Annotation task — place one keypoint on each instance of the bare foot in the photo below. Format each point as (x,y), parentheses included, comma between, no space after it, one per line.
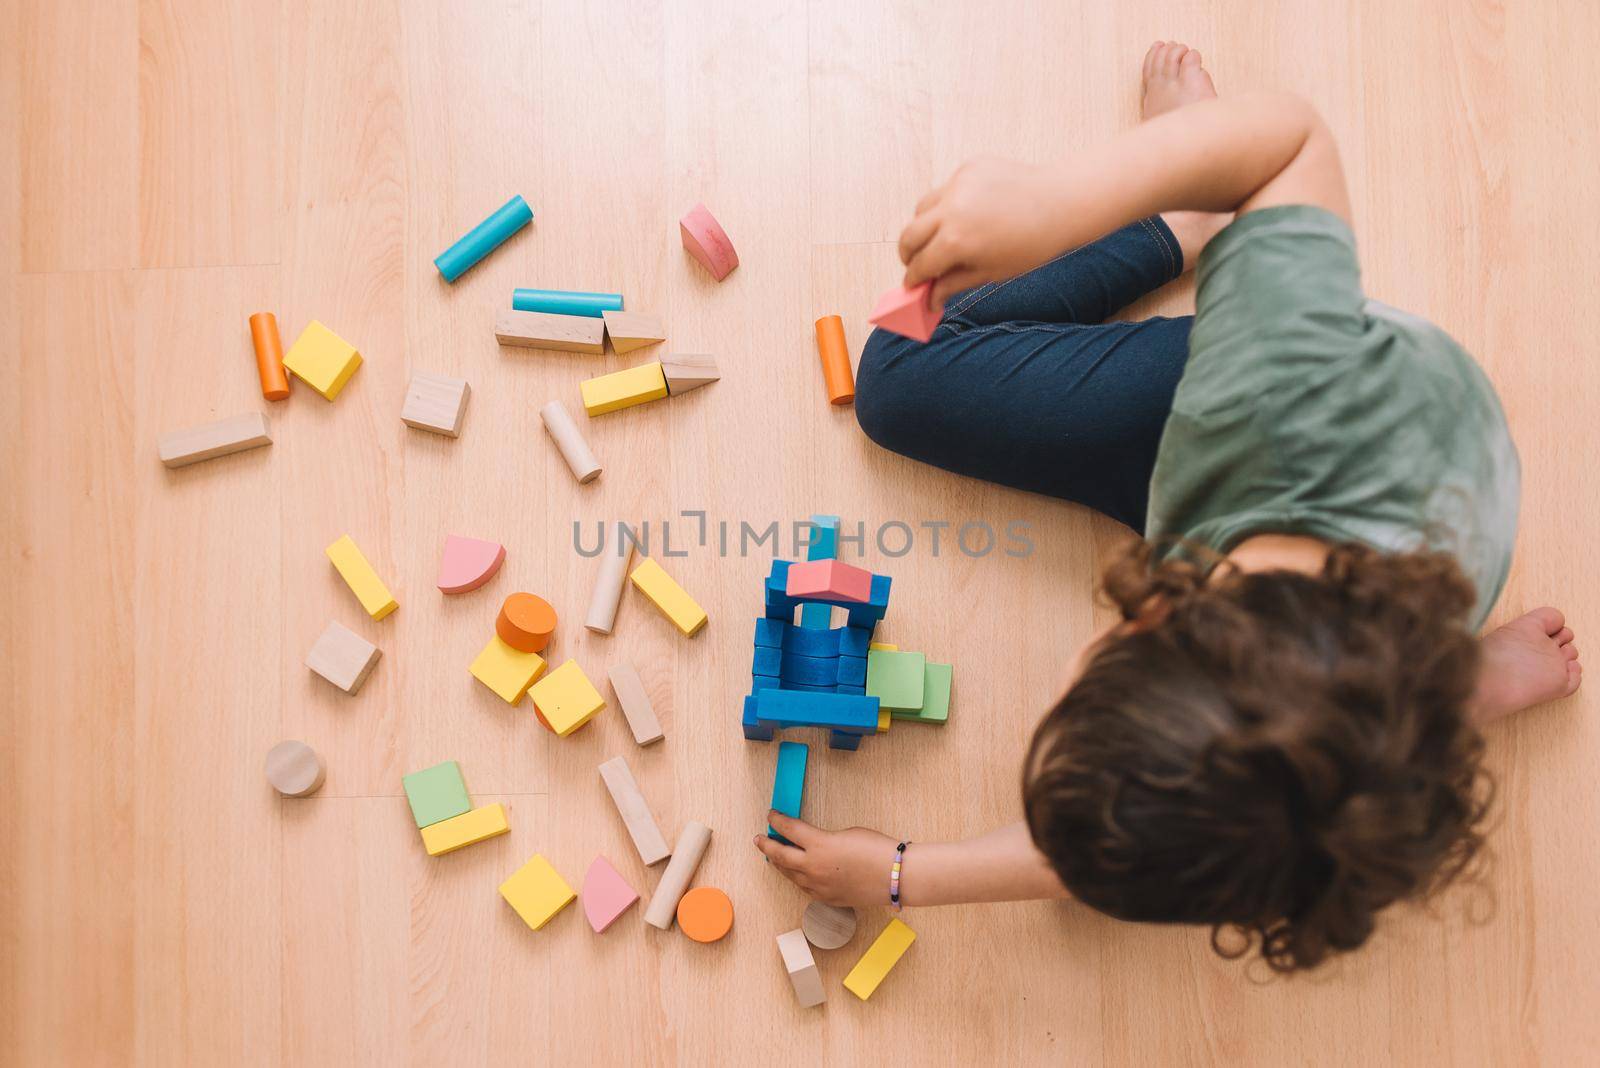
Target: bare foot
(1527,662)
(1172,77)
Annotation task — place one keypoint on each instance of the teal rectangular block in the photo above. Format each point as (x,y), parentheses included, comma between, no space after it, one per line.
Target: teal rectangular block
(789,783)
(825,545)
(566,302)
(483,239)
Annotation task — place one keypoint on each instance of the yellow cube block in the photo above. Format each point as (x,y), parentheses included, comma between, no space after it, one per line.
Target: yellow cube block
(566,698)
(322,359)
(507,671)
(537,892)
(668,596)
(362,580)
(449,835)
(624,389)
(882,955)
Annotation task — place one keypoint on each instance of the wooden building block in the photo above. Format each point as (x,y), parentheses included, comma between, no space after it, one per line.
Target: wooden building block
(885,646)
(906,312)
(525,622)
(633,330)
(484,238)
(705,914)
(705,239)
(896,678)
(830,579)
(544,330)
(623,389)
(507,671)
(606,894)
(570,442)
(436,403)
(789,783)
(269,355)
(828,926)
(802,968)
(468,563)
(322,359)
(447,836)
(566,699)
(885,718)
(343,657)
(881,956)
(436,794)
(831,711)
(566,302)
(630,802)
(608,584)
(537,892)
(361,578)
(295,769)
(663,592)
(685,372)
(642,721)
(686,856)
(935,706)
(836,375)
(180,448)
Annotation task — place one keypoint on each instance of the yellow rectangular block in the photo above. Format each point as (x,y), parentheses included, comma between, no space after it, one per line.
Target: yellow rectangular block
(322,359)
(884,719)
(465,829)
(882,955)
(507,671)
(668,596)
(362,580)
(537,892)
(623,389)
(566,698)
(885,646)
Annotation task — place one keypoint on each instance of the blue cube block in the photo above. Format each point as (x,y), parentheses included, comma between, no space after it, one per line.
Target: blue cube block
(789,783)
(768,661)
(754,731)
(765,682)
(825,538)
(852,671)
(844,740)
(770,632)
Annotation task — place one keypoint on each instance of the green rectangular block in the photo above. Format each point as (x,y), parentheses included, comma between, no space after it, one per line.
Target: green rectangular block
(935,697)
(437,793)
(896,679)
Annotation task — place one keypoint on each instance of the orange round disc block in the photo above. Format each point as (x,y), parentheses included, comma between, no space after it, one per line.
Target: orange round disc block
(705,914)
(525,622)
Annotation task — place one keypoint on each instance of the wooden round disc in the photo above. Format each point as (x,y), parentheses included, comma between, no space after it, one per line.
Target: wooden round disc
(525,622)
(828,926)
(294,769)
(705,914)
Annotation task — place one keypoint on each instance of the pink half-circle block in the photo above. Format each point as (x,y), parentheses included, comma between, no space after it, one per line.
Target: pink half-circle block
(468,563)
(906,312)
(707,241)
(606,894)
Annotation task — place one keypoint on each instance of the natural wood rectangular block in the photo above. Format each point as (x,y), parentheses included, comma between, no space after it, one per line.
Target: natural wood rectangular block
(179,448)
(545,330)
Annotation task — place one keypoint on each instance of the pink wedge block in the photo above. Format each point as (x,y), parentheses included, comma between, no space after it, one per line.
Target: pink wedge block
(468,563)
(906,312)
(707,242)
(606,894)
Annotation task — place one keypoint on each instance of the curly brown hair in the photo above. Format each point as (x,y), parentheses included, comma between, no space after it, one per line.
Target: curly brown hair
(1277,752)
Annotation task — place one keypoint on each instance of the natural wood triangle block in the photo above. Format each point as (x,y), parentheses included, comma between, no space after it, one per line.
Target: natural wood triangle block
(686,372)
(633,330)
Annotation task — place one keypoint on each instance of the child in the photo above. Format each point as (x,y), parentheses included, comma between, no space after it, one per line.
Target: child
(1281,736)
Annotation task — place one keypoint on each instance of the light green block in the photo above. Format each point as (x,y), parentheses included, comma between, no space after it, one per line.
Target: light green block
(896,678)
(437,793)
(936,696)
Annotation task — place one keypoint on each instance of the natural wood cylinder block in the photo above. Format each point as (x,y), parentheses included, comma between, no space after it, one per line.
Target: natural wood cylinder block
(570,442)
(692,843)
(295,769)
(828,926)
(614,561)
(526,622)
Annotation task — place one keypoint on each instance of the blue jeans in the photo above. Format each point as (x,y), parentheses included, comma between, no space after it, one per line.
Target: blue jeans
(1024,384)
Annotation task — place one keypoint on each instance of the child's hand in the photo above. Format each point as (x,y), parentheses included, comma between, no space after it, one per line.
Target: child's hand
(837,867)
(989,222)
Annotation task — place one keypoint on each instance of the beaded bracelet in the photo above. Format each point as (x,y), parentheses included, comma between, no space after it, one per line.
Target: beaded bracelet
(894,875)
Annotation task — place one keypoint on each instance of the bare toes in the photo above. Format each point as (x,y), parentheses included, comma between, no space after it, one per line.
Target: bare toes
(1574,677)
(1150,60)
(1174,57)
(1563,636)
(1569,651)
(1190,58)
(1549,618)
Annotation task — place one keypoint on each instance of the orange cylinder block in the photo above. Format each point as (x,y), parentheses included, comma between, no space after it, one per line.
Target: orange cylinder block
(269,355)
(525,622)
(835,360)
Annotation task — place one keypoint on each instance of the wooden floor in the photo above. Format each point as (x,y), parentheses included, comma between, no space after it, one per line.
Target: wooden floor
(173,167)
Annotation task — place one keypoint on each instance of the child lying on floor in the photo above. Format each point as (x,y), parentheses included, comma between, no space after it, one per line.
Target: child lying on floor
(1281,736)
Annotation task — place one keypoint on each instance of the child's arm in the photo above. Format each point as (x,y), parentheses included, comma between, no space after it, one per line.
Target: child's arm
(852,867)
(996,219)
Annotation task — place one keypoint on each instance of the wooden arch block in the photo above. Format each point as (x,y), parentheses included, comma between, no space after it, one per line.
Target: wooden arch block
(468,563)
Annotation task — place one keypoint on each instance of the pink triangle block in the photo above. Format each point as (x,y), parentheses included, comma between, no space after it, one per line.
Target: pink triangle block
(905,312)
(606,895)
(829,578)
(707,241)
(468,563)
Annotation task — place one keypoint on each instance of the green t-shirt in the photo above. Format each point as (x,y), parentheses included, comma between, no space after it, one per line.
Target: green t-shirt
(1307,409)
